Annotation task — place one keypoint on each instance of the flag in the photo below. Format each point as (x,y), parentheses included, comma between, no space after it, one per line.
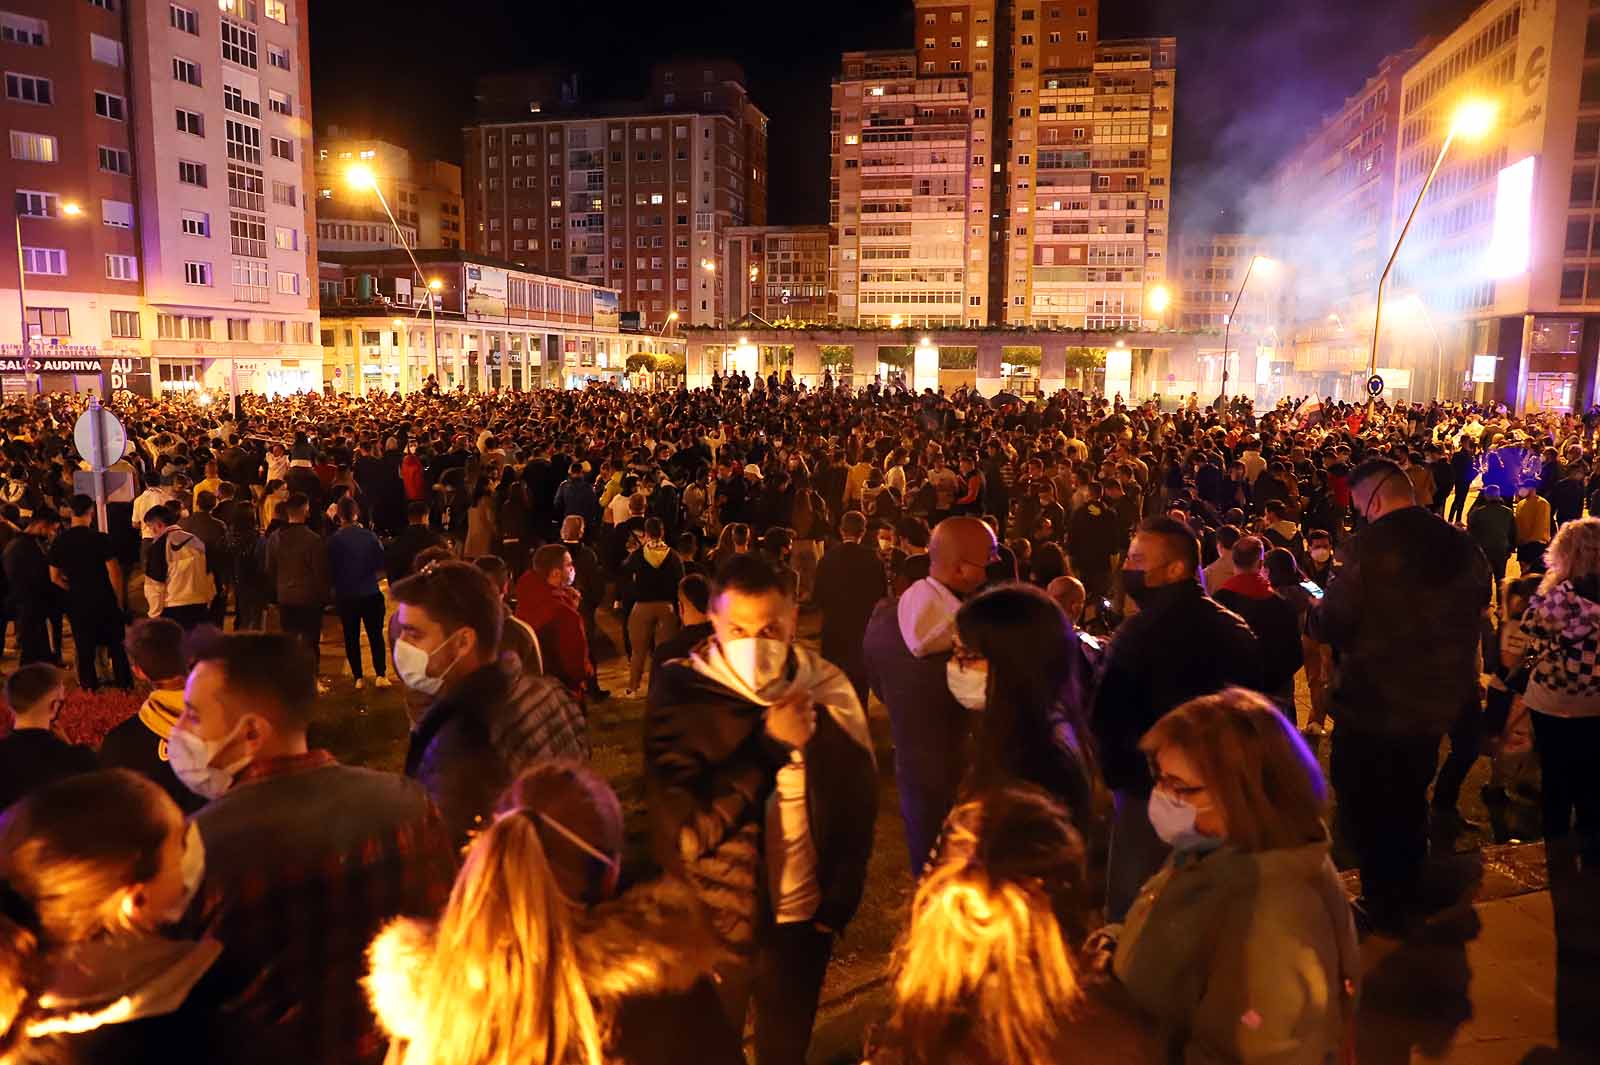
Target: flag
(1310,413)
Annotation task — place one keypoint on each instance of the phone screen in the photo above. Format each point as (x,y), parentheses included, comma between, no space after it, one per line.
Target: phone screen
(1313,588)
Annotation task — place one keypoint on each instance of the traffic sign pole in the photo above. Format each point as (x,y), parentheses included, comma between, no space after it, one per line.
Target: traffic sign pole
(97,463)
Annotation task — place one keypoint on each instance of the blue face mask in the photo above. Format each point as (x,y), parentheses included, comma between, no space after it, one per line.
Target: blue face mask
(1173,819)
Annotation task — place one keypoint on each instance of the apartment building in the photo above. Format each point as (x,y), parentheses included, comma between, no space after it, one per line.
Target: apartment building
(1208,274)
(784,272)
(179,135)
(1024,167)
(424,194)
(636,195)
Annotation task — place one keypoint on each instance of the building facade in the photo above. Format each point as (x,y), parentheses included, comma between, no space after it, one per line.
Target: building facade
(637,195)
(1208,274)
(1010,168)
(180,134)
(424,194)
(778,272)
(494,325)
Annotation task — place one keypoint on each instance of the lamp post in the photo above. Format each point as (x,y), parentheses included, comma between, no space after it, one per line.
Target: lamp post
(1473,119)
(1227,326)
(69,210)
(362,177)
(1159,299)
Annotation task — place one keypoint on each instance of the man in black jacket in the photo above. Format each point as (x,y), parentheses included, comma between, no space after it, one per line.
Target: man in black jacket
(1275,622)
(1404,618)
(415,538)
(33,594)
(489,720)
(1179,645)
(761,778)
(850,581)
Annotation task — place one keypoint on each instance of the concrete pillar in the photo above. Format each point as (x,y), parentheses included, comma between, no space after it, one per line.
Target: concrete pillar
(807,362)
(1052,368)
(990,350)
(698,365)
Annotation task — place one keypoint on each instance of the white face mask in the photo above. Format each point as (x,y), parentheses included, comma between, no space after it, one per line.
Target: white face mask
(194,871)
(411,662)
(191,757)
(756,660)
(1321,554)
(969,687)
(1173,820)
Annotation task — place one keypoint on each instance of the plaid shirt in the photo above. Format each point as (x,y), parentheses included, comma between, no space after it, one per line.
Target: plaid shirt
(306,860)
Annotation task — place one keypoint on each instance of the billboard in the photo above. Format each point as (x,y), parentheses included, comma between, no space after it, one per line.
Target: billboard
(486,291)
(1510,244)
(605,311)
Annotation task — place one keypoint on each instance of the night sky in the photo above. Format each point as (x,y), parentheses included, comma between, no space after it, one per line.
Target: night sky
(1253,75)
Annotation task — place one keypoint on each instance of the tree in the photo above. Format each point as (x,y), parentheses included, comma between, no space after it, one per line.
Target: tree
(1083,360)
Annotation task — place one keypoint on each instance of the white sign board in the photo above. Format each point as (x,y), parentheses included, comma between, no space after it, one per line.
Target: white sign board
(113,438)
(1483,369)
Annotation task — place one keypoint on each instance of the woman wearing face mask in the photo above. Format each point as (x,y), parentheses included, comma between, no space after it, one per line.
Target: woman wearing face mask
(90,869)
(1242,948)
(1018,664)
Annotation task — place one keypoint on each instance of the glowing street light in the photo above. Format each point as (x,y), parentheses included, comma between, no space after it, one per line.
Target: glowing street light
(1266,265)
(672,316)
(1473,119)
(755,272)
(71,210)
(1159,298)
(894,321)
(708,266)
(360,176)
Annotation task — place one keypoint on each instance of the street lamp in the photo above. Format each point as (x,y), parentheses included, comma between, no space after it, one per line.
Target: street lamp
(360,176)
(1159,299)
(708,266)
(672,316)
(1473,119)
(69,210)
(1227,323)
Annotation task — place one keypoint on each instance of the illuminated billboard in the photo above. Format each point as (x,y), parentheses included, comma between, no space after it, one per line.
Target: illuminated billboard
(1510,245)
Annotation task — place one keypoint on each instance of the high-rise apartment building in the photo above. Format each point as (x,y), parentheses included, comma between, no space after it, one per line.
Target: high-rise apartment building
(1208,274)
(784,272)
(636,195)
(180,133)
(424,194)
(1009,168)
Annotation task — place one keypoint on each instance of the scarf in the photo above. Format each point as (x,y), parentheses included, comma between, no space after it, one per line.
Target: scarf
(927,615)
(823,681)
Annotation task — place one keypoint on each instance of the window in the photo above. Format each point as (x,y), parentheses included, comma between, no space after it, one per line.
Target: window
(278,57)
(105,50)
(20,29)
(283,148)
(49,322)
(199,328)
(279,103)
(195,224)
(286,239)
(238,329)
(288,284)
(248,234)
(117,214)
(37,204)
(278,11)
(33,147)
(108,106)
(125,324)
(238,44)
(235,100)
(196,273)
(184,19)
(283,193)
(191,122)
(25,88)
(250,281)
(121,268)
(169,326)
(244,142)
(274,330)
(302,332)
(51,261)
(185,71)
(115,161)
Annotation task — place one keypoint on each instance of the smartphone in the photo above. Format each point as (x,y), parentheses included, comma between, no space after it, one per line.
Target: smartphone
(1313,588)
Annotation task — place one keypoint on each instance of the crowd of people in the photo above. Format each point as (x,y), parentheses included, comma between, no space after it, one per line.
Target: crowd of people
(1085,622)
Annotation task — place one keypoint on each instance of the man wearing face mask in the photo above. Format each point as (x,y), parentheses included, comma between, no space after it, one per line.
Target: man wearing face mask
(488,719)
(907,645)
(850,581)
(761,777)
(550,605)
(290,831)
(1394,697)
(1181,644)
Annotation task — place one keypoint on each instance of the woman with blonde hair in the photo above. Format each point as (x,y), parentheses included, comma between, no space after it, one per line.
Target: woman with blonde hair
(984,974)
(1242,948)
(535,961)
(1562,624)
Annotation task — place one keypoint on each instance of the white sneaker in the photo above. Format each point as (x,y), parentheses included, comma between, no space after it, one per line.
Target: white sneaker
(360,683)
(380,682)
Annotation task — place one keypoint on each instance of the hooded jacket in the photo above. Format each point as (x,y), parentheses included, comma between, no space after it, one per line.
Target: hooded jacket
(140,744)
(1244,957)
(476,738)
(654,571)
(558,627)
(175,572)
(711,770)
(1563,626)
(646,960)
(1273,619)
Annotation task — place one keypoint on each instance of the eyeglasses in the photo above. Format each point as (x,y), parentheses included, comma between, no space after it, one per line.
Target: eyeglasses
(1175,786)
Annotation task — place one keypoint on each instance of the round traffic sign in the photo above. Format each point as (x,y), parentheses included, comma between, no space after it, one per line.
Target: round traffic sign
(113,438)
(1374,386)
